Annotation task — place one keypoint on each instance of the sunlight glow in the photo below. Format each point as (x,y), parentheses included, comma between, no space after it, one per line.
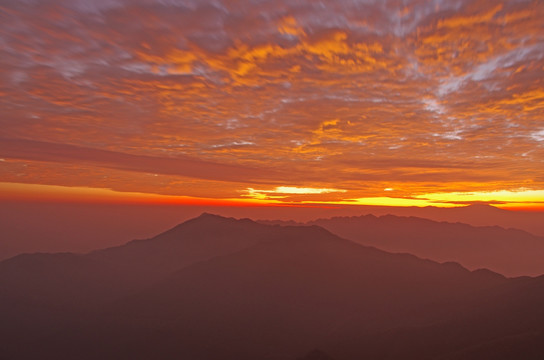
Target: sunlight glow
(522,199)
(501,196)
(281,191)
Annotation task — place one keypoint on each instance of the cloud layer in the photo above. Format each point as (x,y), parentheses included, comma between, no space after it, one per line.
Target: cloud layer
(178,96)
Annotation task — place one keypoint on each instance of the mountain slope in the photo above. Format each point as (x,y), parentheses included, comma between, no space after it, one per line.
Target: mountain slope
(276,293)
(43,289)
(475,215)
(138,263)
(507,251)
(195,240)
(292,294)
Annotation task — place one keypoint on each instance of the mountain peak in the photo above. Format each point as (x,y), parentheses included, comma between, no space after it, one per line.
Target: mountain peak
(482,206)
(207,215)
(214,218)
(208,218)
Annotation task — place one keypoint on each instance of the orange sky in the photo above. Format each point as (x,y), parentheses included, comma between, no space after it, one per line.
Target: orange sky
(407,103)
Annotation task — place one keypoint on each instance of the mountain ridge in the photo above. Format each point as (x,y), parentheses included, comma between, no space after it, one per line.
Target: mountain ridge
(289,289)
(512,252)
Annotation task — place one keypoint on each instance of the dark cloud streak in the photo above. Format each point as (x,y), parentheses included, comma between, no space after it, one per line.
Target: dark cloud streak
(182,166)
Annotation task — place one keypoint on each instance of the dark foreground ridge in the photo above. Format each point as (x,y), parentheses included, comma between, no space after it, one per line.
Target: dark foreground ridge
(220,288)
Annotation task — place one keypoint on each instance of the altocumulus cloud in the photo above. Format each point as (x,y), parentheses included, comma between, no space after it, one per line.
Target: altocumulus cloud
(354,95)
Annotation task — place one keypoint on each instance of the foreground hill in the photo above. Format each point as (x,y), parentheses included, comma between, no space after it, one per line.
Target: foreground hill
(242,290)
(510,252)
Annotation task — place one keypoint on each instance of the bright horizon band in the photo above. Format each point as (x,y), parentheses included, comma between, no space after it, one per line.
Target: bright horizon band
(513,200)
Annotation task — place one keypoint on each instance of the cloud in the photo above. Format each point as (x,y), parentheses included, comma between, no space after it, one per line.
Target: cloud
(181,165)
(418,95)
(287,192)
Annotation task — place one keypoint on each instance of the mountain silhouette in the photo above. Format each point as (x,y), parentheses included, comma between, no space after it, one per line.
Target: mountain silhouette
(243,290)
(477,214)
(105,274)
(510,252)
(195,240)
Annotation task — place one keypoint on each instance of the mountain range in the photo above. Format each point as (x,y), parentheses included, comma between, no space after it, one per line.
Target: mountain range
(221,288)
(29,227)
(474,214)
(511,252)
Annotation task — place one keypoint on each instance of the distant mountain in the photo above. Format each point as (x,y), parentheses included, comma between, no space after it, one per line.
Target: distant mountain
(510,252)
(475,214)
(70,227)
(243,290)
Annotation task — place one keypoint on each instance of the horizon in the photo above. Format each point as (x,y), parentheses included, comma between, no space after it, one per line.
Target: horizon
(30,226)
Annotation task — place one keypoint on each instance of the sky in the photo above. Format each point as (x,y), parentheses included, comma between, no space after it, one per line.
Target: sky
(272,102)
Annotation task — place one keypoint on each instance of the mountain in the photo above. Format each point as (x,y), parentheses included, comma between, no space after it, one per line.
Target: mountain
(243,290)
(71,227)
(195,240)
(104,274)
(510,252)
(280,296)
(41,289)
(475,215)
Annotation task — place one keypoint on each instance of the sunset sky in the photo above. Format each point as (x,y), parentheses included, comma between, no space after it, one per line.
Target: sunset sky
(371,102)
